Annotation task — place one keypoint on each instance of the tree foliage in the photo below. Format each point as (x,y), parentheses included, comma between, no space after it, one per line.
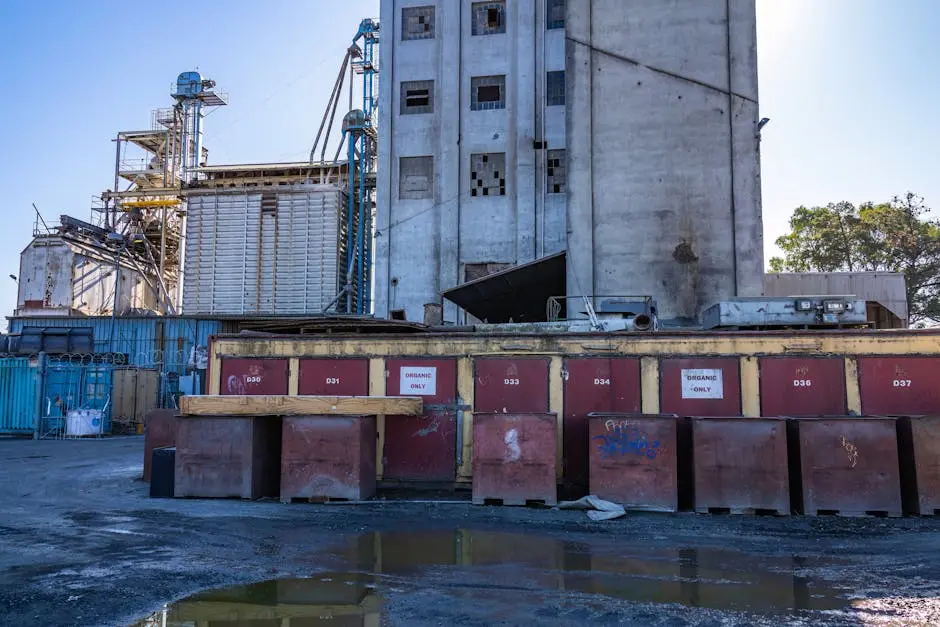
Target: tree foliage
(896,236)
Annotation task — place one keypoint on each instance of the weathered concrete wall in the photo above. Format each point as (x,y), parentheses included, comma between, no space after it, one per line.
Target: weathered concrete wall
(664,180)
(424,244)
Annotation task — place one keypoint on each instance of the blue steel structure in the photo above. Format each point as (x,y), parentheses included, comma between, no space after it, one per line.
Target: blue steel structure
(360,133)
(193,92)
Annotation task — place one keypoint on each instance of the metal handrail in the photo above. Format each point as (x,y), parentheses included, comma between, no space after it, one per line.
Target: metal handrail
(555,304)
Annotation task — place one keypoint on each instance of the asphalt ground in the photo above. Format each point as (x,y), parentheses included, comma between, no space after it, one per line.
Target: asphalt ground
(81,543)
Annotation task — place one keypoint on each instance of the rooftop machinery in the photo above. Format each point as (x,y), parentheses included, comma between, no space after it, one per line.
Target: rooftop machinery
(360,136)
(154,165)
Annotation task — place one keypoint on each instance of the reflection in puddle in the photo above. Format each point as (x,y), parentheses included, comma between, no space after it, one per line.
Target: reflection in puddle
(470,566)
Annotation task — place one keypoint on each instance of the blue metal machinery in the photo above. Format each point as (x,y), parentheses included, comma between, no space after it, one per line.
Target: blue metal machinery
(193,92)
(360,133)
(361,140)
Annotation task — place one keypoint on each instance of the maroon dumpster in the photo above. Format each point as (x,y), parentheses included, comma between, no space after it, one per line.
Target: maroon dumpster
(328,457)
(514,458)
(740,465)
(633,460)
(845,465)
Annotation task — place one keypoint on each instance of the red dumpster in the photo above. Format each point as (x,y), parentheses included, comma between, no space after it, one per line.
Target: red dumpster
(514,458)
(846,466)
(328,457)
(919,445)
(422,448)
(594,385)
(225,457)
(740,465)
(633,460)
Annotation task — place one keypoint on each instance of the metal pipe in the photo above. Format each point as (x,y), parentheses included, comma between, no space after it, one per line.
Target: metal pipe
(162,242)
(117,294)
(642,322)
(360,241)
(117,182)
(350,255)
(331,104)
(329,128)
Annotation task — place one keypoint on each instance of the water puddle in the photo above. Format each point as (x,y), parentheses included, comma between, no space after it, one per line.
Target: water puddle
(469,570)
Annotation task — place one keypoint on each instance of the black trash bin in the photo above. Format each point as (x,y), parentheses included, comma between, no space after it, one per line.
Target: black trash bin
(162,472)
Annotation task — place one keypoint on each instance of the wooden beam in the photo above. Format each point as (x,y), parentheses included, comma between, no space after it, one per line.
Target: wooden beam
(301,405)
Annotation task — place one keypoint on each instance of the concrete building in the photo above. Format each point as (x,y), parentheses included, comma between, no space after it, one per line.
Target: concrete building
(644,170)
(663,157)
(471,145)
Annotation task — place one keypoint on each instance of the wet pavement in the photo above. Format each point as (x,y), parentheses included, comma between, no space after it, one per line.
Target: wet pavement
(81,544)
(472,569)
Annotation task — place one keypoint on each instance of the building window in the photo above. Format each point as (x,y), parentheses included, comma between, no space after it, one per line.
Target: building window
(415,178)
(556,181)
(488,174)
(555,88)
(474,271)
(487,93)
(417,23)
(555,14)
(489,18)
(417,97)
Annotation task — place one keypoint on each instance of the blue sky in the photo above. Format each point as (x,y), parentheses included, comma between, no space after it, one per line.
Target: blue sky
(851,87)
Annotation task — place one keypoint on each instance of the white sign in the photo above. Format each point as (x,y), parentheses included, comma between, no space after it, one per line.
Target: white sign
(418,381)
(702,383)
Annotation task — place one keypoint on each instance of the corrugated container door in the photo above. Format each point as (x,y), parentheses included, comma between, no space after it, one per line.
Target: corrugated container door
(18,382)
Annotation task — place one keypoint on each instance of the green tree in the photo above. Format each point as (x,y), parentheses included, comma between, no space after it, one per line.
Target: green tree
(896,236)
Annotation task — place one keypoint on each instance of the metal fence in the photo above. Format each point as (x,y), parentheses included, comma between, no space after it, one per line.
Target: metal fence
(81,395)
(75,395)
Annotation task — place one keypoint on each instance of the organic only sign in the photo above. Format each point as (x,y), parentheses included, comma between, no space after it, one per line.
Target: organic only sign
(418,381)
(702,383)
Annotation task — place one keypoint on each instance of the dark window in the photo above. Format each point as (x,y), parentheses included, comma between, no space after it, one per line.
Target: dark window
(556,179)
(417,97)
(488,174)
(488,18)
(555,88)
(487,93)
(415,178)
(269,201)
(555,14)
(474,271)
(417,23)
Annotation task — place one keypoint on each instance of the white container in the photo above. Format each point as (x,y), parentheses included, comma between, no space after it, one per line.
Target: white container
(79,422)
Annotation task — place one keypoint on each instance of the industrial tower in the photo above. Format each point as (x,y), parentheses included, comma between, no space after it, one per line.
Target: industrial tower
(152,166)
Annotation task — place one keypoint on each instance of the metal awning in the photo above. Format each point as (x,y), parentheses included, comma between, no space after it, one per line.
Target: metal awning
(519,293)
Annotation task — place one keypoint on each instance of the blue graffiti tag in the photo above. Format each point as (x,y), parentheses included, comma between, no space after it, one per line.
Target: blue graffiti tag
(623,440)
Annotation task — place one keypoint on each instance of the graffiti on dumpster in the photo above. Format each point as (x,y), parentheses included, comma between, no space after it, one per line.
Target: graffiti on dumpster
(239,384)
(511,440)
(851,451)
(623,439)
